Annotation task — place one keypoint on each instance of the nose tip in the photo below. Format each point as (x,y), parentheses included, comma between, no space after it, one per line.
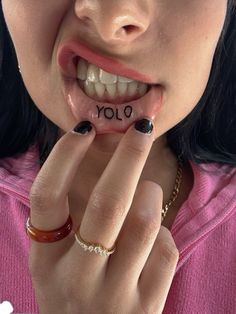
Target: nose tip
(115,21)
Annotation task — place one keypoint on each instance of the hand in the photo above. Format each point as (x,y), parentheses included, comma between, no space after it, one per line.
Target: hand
(136,278)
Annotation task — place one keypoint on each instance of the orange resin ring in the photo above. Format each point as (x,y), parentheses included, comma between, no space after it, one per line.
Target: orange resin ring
(48,236)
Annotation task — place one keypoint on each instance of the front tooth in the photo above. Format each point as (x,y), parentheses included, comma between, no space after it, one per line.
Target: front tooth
(122,88)
(107,78)
(89,88)
(100,89)
(111,90)
(142,89)
(132,88)
(123,79)
(82,69)
(93,73)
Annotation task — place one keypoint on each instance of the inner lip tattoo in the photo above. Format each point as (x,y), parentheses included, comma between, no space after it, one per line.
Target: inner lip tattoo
(109,113)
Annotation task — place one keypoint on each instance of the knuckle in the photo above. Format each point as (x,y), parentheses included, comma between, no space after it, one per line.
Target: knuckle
(168,250)
(37,200)
(107,206)
(144,228)
(42,194)
(169,254)
(38,190)
(134,149)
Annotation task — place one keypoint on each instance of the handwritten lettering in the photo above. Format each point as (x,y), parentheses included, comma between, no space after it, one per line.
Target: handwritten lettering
(118,114)
(128,111)
(99,110)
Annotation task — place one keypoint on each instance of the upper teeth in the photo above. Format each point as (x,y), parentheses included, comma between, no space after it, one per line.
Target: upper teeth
(97,81)
(91,73)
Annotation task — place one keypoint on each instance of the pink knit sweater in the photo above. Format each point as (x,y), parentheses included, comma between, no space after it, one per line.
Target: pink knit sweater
(204,231)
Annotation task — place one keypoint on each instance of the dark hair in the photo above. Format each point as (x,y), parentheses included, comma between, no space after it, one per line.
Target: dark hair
(207,134)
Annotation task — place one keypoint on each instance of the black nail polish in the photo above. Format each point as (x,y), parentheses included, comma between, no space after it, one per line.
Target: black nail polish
(144,126)
(83,127)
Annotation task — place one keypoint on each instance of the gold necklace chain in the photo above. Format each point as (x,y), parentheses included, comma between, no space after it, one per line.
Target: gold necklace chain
(176,188)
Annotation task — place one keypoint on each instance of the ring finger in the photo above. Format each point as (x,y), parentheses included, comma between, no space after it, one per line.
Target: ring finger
(112,196)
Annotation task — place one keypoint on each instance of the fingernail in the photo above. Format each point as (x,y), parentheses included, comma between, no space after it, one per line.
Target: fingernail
(83,127)
(144,126)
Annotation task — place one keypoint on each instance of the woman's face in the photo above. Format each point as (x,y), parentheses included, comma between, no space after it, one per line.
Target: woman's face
(171,42)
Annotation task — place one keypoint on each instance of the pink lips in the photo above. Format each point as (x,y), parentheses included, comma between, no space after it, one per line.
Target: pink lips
(106,117)
(66,59)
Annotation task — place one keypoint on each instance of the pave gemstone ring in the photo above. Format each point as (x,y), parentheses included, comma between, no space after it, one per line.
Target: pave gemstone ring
(93,247)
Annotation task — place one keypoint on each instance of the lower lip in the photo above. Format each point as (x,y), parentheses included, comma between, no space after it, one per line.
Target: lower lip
(107,117)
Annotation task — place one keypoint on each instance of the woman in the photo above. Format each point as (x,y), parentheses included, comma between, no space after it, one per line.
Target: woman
(122,101)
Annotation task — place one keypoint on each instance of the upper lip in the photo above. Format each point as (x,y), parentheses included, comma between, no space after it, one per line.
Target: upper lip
(68,53)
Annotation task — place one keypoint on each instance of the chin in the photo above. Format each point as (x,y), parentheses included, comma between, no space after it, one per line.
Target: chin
(107,142)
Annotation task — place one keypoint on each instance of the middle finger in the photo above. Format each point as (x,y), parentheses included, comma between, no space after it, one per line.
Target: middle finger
(112,196)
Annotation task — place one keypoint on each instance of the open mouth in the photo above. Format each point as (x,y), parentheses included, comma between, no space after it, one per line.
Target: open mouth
(107,116)
(107,93)
(106,87)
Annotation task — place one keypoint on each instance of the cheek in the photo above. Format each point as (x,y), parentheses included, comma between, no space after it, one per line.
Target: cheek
(33,28)
(195,35)
(34,31)
(191,40)
(190,43)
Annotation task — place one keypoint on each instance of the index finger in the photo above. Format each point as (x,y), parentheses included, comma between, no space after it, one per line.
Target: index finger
(49,192)
(112,196)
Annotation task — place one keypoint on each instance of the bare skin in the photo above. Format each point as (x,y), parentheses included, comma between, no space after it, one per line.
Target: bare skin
(115,196)
(166,180)
(126,282)
(179,38)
